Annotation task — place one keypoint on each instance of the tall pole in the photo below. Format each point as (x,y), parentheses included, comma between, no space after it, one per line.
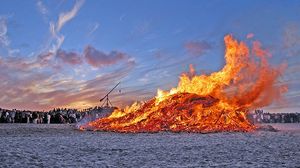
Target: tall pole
(106,97)
(107,101)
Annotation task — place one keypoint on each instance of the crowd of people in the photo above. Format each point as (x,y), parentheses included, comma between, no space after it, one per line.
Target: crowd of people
(64,116)
(259,116)
(57,116)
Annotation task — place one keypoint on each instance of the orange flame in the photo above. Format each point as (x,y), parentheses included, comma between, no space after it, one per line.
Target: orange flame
(206,103)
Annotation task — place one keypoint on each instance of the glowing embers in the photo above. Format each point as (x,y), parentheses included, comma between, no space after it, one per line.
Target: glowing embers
(180,112)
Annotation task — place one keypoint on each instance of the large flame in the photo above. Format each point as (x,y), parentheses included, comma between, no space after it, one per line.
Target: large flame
(206,103)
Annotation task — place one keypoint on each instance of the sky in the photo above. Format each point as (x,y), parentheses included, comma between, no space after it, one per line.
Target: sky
(59,53)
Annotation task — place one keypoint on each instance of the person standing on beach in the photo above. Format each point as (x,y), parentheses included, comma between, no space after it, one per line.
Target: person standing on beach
(48,118)
(28,117)
(1,115)
(34,117)
(6,117)
(12,116)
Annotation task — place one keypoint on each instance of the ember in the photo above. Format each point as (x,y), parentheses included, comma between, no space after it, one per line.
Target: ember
(206,103)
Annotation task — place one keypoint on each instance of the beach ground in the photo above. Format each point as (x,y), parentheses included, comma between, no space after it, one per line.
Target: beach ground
(41,145)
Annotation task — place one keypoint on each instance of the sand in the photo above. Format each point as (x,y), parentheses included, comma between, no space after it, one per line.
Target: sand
(30,145)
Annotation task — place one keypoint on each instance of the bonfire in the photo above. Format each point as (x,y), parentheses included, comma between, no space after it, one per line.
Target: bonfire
(216,102)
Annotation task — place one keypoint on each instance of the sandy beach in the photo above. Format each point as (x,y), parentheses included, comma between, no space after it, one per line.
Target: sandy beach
(30,145)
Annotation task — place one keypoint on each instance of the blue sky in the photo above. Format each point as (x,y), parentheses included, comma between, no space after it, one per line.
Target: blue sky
(58,53)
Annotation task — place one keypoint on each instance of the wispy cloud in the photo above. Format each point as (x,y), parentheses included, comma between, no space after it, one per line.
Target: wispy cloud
(36,82)
(197,48)
(46,55)
(291,40)
(4,41)
(41,7)
(67,16)
(43,90)
(93,29)
(62,20)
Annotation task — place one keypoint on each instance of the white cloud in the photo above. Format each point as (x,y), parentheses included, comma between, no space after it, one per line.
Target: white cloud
(65,17)
(41,7)
(4,41)
(45,56)
(93,29)
(62,20)
(59,38)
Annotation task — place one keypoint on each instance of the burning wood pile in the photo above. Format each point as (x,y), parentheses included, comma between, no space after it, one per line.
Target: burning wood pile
(206,103)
